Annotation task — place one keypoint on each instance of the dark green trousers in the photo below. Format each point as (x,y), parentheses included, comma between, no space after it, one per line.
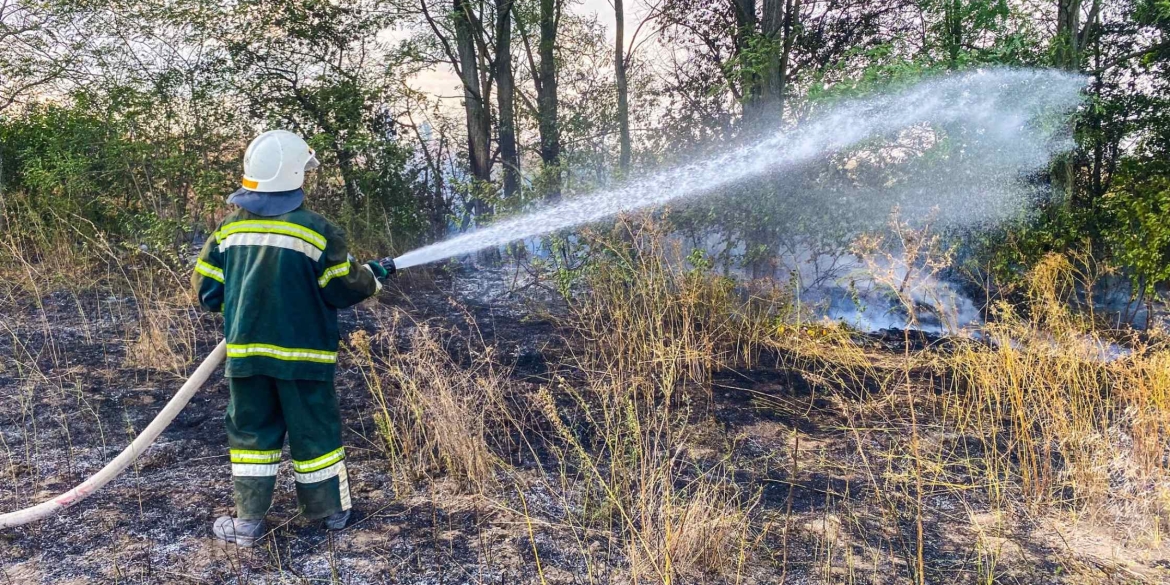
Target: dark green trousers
(261,411)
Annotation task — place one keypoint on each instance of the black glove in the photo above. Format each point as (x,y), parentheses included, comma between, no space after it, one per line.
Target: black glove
(381,268)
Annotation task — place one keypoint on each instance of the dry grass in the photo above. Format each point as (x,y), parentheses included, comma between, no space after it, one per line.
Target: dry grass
(1043,417)
(633,471)
(1066,422)
(1032,421)
(62,256)
(130,306)
(646,338)
(653,310)
(433,413)
(609,439)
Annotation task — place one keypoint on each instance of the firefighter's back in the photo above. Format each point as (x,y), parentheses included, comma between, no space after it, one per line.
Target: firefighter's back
(283,278)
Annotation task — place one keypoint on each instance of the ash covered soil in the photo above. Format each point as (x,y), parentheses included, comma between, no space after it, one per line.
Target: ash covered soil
(73,393)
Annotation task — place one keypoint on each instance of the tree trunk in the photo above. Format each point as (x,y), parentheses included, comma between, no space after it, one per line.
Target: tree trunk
(619,66)
(1068,17)
(1098,184)
(745,30)
(772,28)
(1067,55)
(953,31)
(478,122)
(506,95)
(547,102)
(791,14)
(3,203)
(345,165)
(778,24)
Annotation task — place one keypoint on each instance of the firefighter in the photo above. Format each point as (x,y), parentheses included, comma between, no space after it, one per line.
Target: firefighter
(279,273)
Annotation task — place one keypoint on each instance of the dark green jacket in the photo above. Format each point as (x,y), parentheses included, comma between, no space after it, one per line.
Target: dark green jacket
(279,282)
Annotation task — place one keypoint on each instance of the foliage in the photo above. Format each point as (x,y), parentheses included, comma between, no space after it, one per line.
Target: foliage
(1139,204)
(111,166)
(136,118)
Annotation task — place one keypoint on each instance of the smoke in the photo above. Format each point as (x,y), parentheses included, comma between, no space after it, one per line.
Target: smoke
(861,294)
(988,127)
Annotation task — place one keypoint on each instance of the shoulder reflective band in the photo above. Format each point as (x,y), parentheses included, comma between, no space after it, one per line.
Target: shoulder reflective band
(272,240)
(209,271)
(281,353)
(256,226)
(333,271)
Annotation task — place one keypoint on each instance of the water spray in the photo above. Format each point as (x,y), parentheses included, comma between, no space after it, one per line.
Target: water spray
(1009,104)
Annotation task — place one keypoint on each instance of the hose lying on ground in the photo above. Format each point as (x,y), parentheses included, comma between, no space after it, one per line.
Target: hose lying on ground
(127,456)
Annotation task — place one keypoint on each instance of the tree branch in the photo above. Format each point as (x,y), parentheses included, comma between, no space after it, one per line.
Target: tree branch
(442,39)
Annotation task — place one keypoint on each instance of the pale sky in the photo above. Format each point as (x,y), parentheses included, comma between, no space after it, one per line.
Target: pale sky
(442,82)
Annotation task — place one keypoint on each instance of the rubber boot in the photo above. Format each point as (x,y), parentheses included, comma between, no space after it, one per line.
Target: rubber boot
(241,532)
(337,520)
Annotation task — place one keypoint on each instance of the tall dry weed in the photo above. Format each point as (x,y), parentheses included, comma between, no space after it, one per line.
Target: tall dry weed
(1066,413)
(647,333)
(1045,411)
(433,413)
(657,315)
(46,256)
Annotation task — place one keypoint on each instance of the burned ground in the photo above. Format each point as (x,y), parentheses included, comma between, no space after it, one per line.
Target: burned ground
(72,396)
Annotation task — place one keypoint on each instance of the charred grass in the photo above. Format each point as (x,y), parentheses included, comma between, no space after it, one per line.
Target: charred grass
(635,418)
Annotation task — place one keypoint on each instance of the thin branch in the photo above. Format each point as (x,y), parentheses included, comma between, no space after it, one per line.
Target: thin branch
(442,39)
(1130,55)
(528,52)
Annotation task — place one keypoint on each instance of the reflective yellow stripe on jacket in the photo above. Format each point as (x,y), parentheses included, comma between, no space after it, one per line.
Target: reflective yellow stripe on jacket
(281,353)
(273,241)
(254,226)
(333,272)
(209,271)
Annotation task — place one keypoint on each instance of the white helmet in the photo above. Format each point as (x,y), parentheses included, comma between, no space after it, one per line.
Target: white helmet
(276,161)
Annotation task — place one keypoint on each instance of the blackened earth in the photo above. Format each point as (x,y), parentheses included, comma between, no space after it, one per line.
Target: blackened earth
(61,420)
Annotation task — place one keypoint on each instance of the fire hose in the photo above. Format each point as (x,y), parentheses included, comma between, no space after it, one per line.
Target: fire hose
(128,455)
(139,445)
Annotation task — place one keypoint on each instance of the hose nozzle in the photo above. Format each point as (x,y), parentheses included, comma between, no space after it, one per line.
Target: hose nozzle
(388,264)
